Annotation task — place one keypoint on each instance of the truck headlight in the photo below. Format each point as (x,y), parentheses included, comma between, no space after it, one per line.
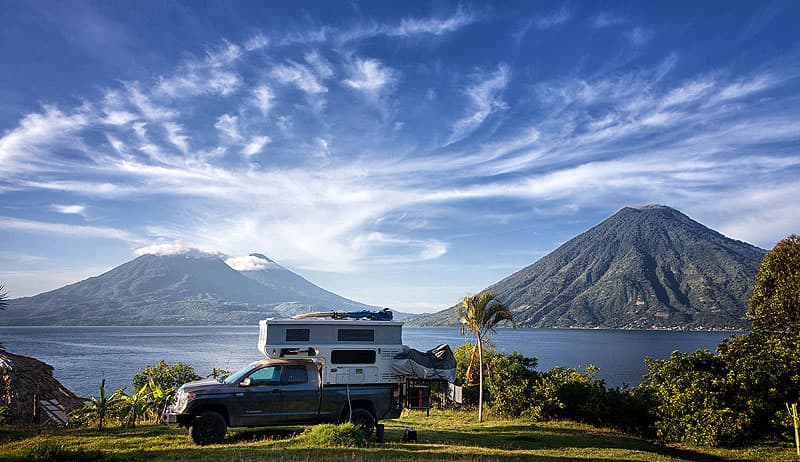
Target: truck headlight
(181,400)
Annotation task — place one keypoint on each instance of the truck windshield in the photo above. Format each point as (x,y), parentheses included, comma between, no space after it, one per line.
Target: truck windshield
(237,377)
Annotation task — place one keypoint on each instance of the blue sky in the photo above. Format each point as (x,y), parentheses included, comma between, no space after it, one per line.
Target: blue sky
(402,154)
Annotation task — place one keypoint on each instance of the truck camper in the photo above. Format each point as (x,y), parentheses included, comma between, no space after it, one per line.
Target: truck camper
(320,367)
(354,351)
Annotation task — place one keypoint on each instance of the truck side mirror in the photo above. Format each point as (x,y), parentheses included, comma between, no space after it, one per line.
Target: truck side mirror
(246,382)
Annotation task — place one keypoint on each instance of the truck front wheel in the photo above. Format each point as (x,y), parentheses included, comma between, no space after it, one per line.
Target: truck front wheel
(208,427)
(364,420)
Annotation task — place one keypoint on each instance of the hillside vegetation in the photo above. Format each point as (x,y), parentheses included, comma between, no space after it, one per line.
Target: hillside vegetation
(649,267)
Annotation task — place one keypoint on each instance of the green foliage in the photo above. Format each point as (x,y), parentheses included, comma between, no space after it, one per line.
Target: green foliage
(731,397)
(49,451)
(509,384)
(5,415)
(691,396)
(333,436)
(775,304)
(165,376)
(100,409)
(762,373)
(218,374)
(516,389)
(133,407)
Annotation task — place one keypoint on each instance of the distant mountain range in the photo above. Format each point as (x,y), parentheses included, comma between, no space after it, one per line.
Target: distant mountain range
(179,289)
(649,267)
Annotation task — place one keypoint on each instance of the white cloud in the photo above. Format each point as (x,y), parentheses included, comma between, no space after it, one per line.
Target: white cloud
(300,76)
(256,42)
(369,75)
(176,137)
(76,231)
(639,36)
(228,125)
(119,117)
(484,101)
(221,56)
(263,99)
(553,20)
(384,249)
(73,209)
(745,87)
(175,248)
(148,109)
(249,263)
(26,147)
(320,65)
(433,26)
(255,145)
(604,20)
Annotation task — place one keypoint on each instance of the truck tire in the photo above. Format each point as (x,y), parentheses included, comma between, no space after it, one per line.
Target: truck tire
(208,427)
(364,420)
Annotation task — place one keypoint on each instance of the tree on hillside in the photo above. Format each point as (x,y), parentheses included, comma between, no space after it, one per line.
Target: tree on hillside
(479,314)
(775,304)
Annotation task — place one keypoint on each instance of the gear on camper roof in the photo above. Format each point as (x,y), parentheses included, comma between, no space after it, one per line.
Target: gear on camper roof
(382,315)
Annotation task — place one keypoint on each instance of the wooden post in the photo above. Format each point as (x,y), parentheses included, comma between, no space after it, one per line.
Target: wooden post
(796,424)
(36,405)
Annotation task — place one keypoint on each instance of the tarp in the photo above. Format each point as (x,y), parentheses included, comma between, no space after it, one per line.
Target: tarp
(437,363)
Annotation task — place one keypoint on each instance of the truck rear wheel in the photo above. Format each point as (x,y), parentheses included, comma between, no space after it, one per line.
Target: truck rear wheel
(208,427)
(364,420)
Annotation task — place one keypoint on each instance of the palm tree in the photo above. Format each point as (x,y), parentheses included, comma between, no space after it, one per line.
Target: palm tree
(3,298)
(479,314)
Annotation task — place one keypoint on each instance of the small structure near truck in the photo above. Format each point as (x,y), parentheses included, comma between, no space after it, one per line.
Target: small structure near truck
(320,367)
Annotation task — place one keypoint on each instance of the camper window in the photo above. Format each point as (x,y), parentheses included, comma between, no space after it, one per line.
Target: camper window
(356,335)
(297,335)
(353,357)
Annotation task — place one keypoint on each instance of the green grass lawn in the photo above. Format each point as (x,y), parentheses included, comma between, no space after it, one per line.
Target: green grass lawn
(445,435)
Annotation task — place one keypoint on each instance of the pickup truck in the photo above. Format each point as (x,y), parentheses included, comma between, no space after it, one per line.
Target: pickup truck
(276,392)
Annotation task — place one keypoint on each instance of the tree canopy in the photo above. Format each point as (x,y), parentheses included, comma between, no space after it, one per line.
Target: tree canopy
(775,304)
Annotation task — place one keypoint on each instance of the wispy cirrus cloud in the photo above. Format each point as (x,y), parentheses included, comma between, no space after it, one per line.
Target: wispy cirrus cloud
(74,231)
(484,101)
(369,75)
(69,209)
(320,198)
(554,19)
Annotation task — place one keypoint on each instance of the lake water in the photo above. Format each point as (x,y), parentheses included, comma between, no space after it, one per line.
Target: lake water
(82,356)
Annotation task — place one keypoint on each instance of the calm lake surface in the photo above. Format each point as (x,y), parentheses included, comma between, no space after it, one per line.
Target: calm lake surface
(82,356)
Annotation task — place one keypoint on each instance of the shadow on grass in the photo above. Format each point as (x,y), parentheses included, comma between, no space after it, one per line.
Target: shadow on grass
(521,437)
(338,454)
(261,434)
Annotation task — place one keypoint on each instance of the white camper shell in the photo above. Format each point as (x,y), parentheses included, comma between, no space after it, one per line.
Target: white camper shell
(350,351)
(354,351)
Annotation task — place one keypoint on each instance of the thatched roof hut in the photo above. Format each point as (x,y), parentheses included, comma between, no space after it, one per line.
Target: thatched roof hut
(31,393)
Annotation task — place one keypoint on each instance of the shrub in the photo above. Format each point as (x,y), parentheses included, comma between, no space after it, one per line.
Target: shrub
(692,399)
(165,376)
(509,382)
(330,435)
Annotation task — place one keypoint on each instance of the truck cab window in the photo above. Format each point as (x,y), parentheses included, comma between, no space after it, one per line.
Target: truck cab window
(296,374)
(266,376)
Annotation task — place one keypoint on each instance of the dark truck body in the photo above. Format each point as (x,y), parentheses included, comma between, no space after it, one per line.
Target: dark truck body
(277,392)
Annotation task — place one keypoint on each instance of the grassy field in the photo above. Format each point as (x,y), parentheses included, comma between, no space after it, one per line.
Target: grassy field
(445,435)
